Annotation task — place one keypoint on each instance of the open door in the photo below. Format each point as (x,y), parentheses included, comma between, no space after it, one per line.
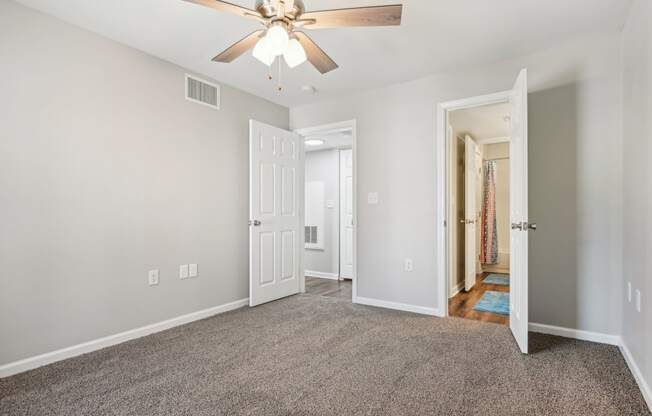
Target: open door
(346,214)
(275,202)
(518,297)
(470,212)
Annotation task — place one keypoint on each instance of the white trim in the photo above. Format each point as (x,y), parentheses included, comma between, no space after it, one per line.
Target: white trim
(638,375)
(442,151)
(330,128)
(397,306)
(574,333)
(457,289)
(86,347)
(322,275)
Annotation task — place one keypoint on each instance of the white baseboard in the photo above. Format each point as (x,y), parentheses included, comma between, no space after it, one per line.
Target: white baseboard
(575,334)
(397,306)
(457,289)
(638,375)
(26,364)
(322,275)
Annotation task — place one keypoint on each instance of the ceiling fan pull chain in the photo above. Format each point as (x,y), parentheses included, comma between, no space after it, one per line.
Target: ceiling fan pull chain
(280,87)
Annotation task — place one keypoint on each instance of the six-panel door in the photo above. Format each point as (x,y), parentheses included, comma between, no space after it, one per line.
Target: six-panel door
(276,189)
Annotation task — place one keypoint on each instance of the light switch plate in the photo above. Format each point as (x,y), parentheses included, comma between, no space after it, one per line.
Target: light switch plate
(193,270)
(152,277)
(372,198)
(183,271)
(409,265)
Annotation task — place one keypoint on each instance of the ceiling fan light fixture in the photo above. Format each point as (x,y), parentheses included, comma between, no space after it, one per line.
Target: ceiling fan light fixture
(278,39)
(314,142)
(263,52)
(294,54)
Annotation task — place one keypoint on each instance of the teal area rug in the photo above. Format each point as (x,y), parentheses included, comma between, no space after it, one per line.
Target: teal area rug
(494,302)
(497,279)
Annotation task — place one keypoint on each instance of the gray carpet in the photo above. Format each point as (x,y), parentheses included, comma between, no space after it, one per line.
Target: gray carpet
(311,355)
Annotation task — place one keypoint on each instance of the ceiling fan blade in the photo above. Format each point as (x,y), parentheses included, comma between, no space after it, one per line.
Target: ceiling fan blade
(240,47)
(224,6)
(315,54)
(359,16)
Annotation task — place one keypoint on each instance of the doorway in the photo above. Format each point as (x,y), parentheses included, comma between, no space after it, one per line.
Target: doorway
(329,229)
(519,224)
(478,168)
(279,232)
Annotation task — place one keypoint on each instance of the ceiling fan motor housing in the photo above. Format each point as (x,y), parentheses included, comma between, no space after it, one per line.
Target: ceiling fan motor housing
(268,9)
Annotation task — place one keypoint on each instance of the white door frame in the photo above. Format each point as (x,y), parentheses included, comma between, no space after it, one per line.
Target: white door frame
(327,128)
(444,218)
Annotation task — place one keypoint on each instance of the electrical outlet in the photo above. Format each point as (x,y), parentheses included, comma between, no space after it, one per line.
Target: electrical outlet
(193,270)
(152,277)
(183,271)
(638,300)
(629,292)
(409,266)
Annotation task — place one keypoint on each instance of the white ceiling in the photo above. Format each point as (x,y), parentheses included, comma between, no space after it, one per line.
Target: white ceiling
(436,35)
(482,123)
(332,140)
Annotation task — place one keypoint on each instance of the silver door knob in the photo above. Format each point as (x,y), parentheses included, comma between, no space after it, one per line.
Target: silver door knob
(517,226)
(531,226)
(255,223)
(467,221)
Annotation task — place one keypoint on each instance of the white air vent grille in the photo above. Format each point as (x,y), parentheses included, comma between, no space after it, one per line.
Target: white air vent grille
(202,92)
(311,234)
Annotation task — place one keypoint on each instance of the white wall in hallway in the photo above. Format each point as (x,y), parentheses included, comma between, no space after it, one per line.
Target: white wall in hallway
(574,170)
(324,166)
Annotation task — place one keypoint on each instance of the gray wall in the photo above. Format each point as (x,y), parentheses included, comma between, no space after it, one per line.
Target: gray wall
(106,171)
(574,171)
(637,183)
(324,166)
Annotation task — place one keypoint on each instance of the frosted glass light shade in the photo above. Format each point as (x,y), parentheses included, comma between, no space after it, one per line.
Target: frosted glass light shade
(278,39)
(294,54)
(263,52)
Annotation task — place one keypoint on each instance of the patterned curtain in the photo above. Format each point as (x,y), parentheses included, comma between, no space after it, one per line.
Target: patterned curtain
(489,249)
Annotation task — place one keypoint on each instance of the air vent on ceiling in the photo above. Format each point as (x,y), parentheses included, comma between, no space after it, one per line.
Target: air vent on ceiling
(311,234)
(202,92)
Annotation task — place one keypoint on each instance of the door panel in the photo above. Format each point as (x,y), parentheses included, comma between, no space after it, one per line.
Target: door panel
(346,214)
(518,298)
(276,167)
(470,212)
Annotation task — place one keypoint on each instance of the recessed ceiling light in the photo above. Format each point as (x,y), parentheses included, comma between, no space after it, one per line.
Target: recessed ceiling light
(314,142)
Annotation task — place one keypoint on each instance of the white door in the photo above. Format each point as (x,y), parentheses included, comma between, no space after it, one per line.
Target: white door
(276,199)
(518,297)
(346,214)
(470,212)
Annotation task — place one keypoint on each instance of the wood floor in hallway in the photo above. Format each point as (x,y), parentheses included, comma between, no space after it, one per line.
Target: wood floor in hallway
(341,289)
(461,305)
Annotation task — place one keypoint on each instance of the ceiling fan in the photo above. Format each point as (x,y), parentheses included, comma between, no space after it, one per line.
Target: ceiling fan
(282,18)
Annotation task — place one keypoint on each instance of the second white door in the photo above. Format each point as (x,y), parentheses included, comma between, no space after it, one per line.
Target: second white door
(346,214)
(470,212)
